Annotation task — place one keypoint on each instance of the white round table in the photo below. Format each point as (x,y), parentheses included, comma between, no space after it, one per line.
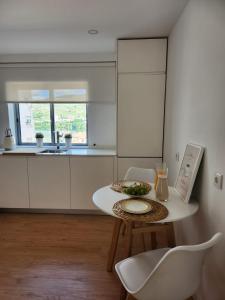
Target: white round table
(105,198)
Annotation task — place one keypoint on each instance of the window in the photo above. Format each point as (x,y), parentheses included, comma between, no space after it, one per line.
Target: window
(72,118)
(34,118)
(48,118)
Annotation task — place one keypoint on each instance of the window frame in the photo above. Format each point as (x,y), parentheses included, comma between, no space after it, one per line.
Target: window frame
(52,122)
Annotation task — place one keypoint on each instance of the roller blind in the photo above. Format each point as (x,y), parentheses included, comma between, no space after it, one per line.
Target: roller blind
(57,82)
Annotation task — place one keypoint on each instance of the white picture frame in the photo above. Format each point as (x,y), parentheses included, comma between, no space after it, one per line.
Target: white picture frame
(188,170)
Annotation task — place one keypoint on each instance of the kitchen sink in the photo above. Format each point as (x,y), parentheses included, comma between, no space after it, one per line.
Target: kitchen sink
(54,151)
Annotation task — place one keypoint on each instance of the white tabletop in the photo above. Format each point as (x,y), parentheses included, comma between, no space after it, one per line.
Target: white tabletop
(105,198)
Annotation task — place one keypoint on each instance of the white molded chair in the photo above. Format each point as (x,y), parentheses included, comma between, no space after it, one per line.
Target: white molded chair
(141,174)
(165,274)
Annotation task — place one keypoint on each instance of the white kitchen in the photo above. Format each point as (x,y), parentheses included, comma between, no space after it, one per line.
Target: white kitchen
(104,106)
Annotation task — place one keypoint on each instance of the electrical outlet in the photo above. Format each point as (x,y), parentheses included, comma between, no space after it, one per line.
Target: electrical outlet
(218,181)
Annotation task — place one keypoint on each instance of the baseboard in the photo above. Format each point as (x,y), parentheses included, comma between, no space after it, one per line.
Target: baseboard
(53,211)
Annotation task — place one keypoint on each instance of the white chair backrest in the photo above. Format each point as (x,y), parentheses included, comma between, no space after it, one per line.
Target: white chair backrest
(178,274)
(141,174)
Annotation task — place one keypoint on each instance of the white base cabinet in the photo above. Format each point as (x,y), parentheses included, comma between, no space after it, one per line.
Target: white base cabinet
(13,182)
(87,175)
(49,182)
(53,182)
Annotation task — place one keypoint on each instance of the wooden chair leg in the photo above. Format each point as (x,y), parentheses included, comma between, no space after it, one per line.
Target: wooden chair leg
(114,244)
(123,293)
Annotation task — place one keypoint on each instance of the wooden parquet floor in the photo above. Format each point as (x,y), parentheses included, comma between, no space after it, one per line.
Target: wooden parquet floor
(56,257)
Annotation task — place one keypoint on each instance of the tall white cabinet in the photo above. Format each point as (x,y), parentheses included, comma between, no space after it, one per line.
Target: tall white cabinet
(141,93)
(140,114)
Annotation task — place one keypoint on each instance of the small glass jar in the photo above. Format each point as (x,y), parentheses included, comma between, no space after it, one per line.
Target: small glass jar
(161,169)
(162,191)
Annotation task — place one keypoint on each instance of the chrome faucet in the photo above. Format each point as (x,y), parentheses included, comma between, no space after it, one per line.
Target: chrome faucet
(58,136)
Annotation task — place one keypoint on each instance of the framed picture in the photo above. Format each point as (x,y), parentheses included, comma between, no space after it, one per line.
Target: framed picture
(188,170)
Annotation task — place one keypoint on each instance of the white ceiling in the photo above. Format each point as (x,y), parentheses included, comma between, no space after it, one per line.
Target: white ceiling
(60,26)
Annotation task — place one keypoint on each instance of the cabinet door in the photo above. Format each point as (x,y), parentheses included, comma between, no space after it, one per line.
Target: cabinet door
(123,164)
(13,182)
(140,114)
(49,182)
(87,175)
(142,55)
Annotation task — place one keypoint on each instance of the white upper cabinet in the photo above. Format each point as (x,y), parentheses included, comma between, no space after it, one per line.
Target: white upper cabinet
(142,55)
(49,182)
(140,114)
(13,182)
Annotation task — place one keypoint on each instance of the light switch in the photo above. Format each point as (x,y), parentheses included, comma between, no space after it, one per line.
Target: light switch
(218,181)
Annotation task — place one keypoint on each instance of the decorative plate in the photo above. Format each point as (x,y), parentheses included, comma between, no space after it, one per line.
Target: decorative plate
(134,206)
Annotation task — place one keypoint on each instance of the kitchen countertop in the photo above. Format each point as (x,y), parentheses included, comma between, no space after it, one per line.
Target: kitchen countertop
(33,151)
(92,152)
(22,151)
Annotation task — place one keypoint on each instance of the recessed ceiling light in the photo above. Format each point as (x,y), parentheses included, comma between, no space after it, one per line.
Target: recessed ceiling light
(93,31)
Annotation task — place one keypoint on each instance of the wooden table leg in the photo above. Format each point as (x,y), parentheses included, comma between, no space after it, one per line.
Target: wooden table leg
(143,242)
(123,229)
(171,235)
(129,297)
(128,239)
(153,240)
(114,243)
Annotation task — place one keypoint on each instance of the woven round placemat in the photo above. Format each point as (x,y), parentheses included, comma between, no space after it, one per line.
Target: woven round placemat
(118,187)
(158,212)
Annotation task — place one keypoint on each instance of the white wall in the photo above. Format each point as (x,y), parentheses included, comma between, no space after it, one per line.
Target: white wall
(195,111)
